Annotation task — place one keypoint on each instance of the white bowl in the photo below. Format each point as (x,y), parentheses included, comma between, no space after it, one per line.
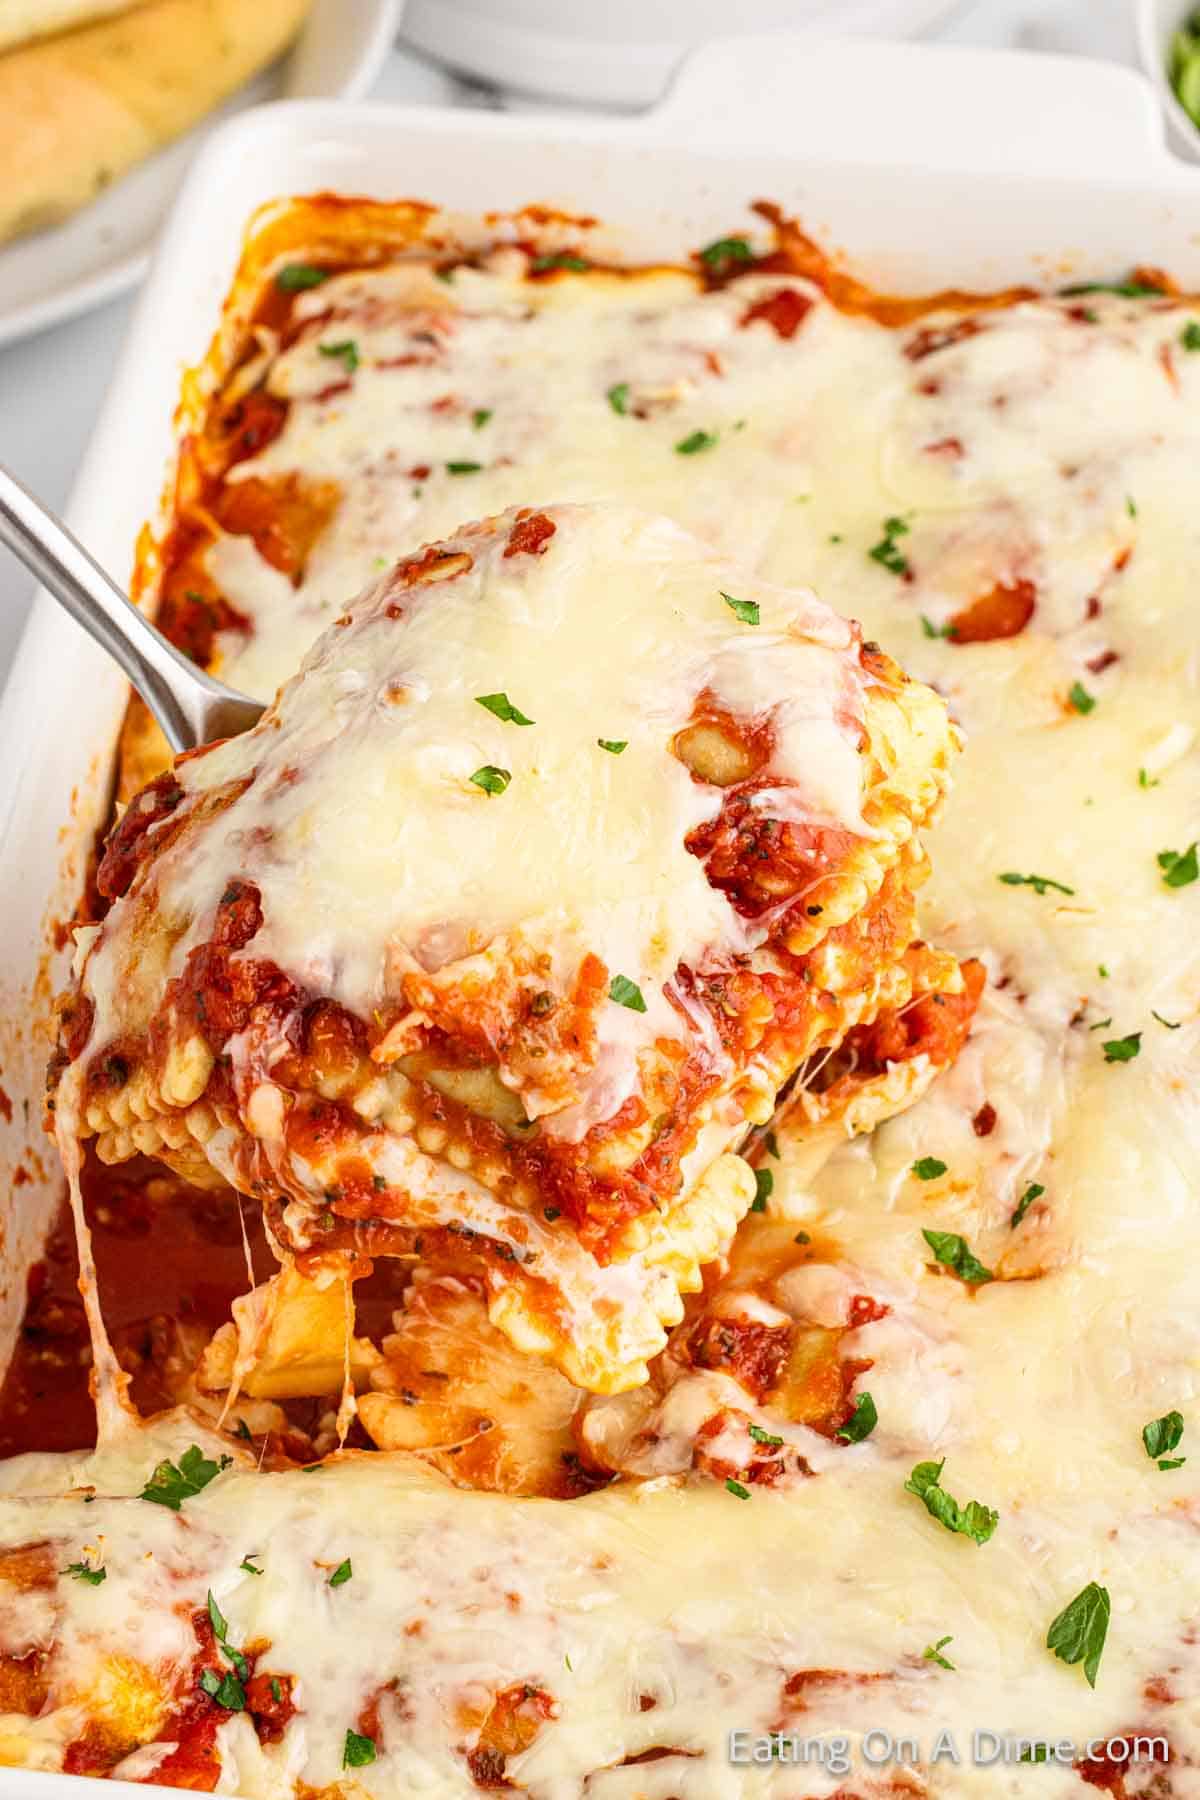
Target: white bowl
(1157,23)
(625,52)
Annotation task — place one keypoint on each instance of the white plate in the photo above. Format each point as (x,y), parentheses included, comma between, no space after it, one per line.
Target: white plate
(106,248)
(625,52)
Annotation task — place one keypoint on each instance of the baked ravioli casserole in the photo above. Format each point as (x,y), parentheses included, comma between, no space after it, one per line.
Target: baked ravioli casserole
(586,1291)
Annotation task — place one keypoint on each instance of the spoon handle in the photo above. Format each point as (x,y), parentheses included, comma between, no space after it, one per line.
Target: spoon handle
(190,706)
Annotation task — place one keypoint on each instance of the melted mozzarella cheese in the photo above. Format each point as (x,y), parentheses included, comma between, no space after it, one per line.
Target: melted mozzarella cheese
(1078,444)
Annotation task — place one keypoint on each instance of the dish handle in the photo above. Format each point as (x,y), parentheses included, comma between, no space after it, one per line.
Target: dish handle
(1007,112)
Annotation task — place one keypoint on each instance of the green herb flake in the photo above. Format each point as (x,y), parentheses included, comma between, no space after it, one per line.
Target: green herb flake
(1189,337)
(974,1520)
(929,1168)
(1146,780)
(249,1564)
(1179,867)
(1080,699)
(463,468)
(618,397)
(561,259)
(480,417)
(933,1653)
(764,1185)
(614,746)
(1118,1050)
(772,1144)
(1128,290)
(931,630)
(1171,1024)
(725,253)
(1039,883)
(491,779)
(276,1690)
(886,552)
(1161,1436)
(626,993)
(502,707)
(861,1422)
(293,278)
(342,1574)
(83,1571)
(1078,1633)
(695,442)
(242,1431)
(358,1750)
(764,1437)
(346,353)
(745,610)
(1102,971)
(736,1488)
(220,1627)
(171,1484)
(1100,1024)
(224,1688)
(954,1254)
(1131,506)
(1033,1192)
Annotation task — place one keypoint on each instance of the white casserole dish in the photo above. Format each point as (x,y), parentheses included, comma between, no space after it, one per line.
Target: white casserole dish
(931,166)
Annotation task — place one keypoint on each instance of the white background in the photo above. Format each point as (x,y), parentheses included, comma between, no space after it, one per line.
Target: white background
(52,384)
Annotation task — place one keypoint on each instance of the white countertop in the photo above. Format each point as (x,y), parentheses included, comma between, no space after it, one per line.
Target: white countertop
(52,384)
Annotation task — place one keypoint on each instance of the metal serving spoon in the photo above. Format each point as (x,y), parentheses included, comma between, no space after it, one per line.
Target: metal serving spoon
(191,707)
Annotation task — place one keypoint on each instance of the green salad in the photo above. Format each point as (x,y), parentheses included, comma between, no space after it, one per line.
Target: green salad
(1183,65)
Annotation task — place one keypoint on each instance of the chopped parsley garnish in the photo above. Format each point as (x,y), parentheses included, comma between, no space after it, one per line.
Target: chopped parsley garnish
(1122,1049)
(949,630)
(1080,699)
(764,1184)
(1129,290)
(293,278)
(276,1690)
(561,259)
(224,1688)
(745,610)
(1171,1024)
(1100,1024)
(342,1574)
(480,417)
(346,353)
(491,779)
(1033,1192)
(250,1564)
(614,746)
(85,1572)
(694,442)
(220,1625)
(929,1168)
(861,1422)
(772,1144)
(764,1437)
(626,993)
(954,1254)
(886,552)
(725,253)
(358,1751)
(171,1484)
(618,397)
(1161,1436)
(1079,1631)
(1189,337)
(933,1653)
(1146,780)
(1039,883)
(1131,506)
(502,707)
(1102,971)
(463,468)
(736,1488)
(974,1520)
(1179,867)
(242,1430)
